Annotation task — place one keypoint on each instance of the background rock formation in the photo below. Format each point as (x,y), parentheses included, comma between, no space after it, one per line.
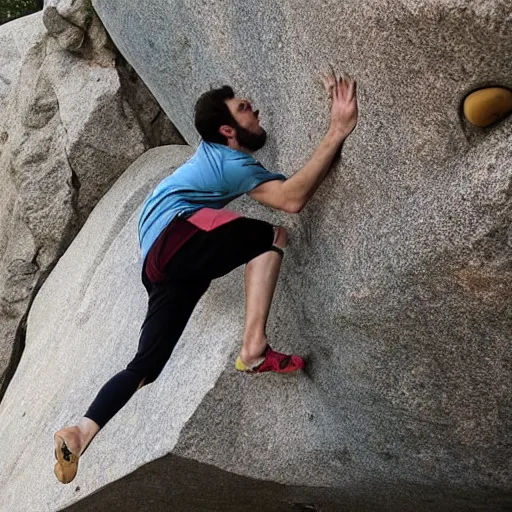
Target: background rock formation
(70,124)
(396,283)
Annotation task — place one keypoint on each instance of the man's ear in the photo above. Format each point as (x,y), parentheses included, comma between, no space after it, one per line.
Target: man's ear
(227,131)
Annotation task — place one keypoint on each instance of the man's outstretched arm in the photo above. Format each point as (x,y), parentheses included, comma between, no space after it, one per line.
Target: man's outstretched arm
(292,194)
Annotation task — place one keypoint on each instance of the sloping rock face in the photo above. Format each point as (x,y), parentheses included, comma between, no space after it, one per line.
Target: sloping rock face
(70,123)
(401,264)
(402,269)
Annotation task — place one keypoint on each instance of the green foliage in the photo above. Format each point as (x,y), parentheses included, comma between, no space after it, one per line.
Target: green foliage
(89,12)
(11,9)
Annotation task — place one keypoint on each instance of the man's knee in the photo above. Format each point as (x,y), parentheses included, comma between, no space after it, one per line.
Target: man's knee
(145,375)
(280,237)
(149,379)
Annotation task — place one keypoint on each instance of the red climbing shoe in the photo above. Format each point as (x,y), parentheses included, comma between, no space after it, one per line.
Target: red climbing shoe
(272,362)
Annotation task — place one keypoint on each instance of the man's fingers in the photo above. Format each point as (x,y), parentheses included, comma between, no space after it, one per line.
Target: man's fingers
(336,90)
(351,89)
(339,85)
(329,82)
(342,87)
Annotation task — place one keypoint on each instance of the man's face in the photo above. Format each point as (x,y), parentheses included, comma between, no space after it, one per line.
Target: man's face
(249,133)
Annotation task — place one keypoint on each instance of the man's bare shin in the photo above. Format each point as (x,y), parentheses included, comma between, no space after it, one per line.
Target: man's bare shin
(261,275)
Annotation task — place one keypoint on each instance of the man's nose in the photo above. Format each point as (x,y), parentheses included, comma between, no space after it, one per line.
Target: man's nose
(256,113)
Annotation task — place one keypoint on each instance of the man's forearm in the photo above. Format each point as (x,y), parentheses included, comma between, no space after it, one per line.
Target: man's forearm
(300,187)
(291,195)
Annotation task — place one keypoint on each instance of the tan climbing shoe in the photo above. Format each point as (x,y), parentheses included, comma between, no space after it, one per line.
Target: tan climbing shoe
(67,462)
(486,106)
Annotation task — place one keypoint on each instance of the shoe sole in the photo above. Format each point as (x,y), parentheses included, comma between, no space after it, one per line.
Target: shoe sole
(67,462)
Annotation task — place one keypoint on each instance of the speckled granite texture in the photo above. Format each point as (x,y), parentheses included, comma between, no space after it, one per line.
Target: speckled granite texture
(396,284)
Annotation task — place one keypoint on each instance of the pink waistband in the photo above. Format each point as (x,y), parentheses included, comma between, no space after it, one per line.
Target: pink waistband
(208,219)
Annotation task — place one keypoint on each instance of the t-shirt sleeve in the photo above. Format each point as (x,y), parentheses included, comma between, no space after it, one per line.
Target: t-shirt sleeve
(247,175)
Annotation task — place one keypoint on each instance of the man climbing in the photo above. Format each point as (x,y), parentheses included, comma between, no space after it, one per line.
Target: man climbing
(187,239)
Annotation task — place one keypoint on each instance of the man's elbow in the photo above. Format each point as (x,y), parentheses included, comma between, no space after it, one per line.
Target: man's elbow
(292,206)
(293,201)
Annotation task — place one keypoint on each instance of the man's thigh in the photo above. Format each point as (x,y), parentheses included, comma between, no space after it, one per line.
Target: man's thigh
(212,254)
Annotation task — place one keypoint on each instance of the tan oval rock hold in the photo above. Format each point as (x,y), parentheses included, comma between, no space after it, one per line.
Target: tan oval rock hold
(486,106)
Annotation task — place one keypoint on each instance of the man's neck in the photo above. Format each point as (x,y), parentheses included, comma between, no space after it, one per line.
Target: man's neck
(233,144)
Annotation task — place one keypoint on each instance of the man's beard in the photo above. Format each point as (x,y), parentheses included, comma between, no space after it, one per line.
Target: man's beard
(249,140)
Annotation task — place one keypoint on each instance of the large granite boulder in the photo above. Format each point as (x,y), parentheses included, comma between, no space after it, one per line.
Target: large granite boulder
(402,264)
(70,124)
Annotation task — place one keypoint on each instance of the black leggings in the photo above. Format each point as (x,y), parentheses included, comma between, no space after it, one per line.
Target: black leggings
(206,256)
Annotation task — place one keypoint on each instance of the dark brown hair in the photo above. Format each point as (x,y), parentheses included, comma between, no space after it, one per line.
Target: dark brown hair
(211,112)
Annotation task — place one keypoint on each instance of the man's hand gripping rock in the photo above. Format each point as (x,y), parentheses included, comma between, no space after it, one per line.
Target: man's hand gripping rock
(344,104)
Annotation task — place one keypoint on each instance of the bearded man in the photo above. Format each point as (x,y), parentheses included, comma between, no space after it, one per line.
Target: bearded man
(187,239)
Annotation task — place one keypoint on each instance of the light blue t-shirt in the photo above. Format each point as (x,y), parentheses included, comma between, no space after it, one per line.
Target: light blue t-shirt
(214,176)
